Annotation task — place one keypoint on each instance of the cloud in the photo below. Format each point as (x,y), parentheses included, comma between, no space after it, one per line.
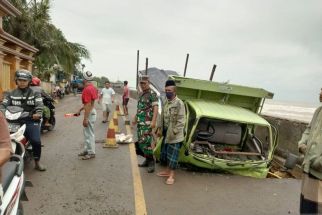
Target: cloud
(271,44)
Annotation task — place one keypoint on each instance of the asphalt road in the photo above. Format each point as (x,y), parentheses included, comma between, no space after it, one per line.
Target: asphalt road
(108,184)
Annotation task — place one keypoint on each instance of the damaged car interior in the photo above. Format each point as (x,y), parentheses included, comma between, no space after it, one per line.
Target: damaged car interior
(230,140)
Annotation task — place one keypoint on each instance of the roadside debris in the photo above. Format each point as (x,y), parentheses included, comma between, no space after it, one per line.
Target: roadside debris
(124,138)
(279,169)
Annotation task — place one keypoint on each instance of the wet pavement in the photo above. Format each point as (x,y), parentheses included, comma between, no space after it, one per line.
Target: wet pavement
(106,185)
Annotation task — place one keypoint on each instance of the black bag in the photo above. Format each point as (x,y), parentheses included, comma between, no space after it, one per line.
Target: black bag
(138,150)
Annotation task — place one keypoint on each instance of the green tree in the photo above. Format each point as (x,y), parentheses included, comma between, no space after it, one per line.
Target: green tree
(100,81)
(34,27)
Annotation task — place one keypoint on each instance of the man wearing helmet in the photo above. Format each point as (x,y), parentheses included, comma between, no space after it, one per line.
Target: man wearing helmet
(35,86)
(89,96)
(31,101)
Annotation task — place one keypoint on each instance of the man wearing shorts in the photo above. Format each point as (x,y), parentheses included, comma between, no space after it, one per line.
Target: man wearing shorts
(126,97)
(107,98)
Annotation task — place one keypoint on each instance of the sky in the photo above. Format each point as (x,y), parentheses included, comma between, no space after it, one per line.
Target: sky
(275,45)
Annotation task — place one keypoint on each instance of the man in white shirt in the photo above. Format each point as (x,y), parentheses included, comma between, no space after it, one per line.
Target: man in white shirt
(107,98)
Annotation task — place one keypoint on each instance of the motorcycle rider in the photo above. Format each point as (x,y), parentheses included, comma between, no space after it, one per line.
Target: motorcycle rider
(31,101)
(35,86)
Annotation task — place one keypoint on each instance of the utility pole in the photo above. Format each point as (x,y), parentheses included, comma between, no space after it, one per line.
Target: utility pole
(137,67)
(212,72)
(185,67)
(146,65)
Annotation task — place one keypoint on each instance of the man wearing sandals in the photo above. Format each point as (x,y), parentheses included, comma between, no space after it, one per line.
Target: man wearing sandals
(89,96)
(107,98)
(172,129)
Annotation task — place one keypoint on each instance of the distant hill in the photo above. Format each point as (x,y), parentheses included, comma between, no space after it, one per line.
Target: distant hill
(158,77)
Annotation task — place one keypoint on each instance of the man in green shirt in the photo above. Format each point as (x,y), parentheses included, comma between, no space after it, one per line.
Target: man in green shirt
(311,146)
(172,126)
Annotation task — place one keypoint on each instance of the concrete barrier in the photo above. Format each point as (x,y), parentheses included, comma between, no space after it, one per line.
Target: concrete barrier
(290,132)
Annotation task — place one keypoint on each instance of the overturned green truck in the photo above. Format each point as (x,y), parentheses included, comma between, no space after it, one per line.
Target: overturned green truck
(224,130)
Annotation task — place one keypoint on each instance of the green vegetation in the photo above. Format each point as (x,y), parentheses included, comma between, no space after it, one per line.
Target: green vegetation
(34,26)
(100,81)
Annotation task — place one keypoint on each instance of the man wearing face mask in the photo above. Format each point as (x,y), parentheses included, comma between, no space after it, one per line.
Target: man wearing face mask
(172,127)
(311,146)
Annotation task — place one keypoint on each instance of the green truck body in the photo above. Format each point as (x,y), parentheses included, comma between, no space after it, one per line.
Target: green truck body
(224,130)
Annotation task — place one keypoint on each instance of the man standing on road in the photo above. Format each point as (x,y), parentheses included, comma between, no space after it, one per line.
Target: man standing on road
(311,145)
(5,146)
(107,98)
(147,112)
(74,87)
(172,128)
(23,96)
(126,97)
(89,96)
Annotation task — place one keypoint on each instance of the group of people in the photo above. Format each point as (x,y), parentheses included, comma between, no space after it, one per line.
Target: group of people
(106,98)
(170,125)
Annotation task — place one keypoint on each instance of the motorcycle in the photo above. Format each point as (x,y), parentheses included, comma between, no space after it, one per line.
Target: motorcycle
(59,93)
(48,101)
(16,117)
(13,182)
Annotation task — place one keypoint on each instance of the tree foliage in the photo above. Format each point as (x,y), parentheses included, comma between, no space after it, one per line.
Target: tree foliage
(100,81)
(34,27)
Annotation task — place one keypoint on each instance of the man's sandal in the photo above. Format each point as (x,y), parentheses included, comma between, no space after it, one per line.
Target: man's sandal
(163,174)
(88,156)
(170,181)
(82,154)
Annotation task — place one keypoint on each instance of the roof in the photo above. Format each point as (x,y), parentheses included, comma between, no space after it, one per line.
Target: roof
(4,35)
(204,85)
(158,77)
(226,112)
(8,8)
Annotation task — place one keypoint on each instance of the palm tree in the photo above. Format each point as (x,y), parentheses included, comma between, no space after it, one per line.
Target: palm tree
(34,27)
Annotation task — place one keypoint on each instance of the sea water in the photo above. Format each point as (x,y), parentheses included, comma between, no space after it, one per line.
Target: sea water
(289,110)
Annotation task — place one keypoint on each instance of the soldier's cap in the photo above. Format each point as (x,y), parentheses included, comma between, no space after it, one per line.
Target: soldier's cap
(170,83)
(144,78)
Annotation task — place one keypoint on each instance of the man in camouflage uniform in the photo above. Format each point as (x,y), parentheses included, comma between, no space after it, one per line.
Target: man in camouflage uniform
(145,118)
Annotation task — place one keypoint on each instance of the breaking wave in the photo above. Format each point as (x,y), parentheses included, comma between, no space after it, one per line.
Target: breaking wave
(288,110)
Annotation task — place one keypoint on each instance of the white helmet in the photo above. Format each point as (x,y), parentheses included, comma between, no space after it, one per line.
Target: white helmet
(88,76)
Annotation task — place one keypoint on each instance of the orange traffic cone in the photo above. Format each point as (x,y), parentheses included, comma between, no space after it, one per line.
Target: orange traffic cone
(110,139)
(116,122)
(119,110)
